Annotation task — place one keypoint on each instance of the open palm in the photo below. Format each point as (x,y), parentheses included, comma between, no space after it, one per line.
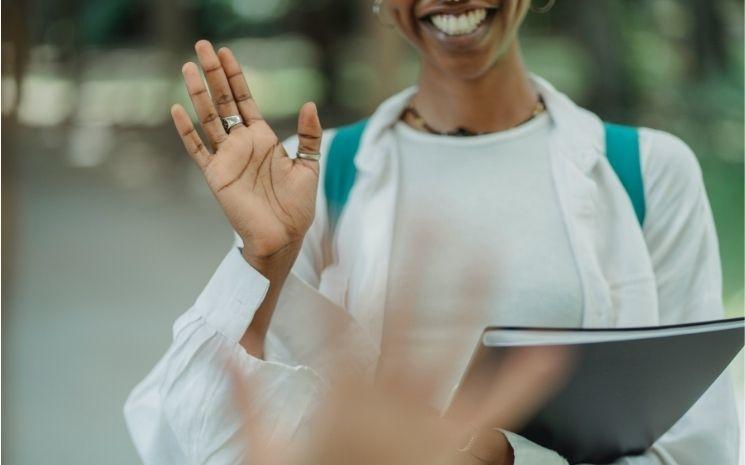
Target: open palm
(268,197)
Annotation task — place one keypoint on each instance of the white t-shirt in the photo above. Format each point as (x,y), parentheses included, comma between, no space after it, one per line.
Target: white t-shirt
(478,229)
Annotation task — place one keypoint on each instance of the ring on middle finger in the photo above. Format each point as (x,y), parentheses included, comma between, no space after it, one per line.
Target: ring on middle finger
(229,122)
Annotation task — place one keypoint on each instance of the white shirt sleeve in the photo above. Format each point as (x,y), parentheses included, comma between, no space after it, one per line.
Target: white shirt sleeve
(184,411)
(681,238)
(683,245)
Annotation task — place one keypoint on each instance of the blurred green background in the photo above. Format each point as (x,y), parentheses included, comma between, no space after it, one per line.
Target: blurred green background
(109,232)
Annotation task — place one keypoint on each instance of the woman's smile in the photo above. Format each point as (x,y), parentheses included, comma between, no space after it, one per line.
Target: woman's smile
(462,39)
(461,24)
(458,27)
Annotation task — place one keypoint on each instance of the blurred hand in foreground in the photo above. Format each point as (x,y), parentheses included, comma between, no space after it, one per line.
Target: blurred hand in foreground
(392,421)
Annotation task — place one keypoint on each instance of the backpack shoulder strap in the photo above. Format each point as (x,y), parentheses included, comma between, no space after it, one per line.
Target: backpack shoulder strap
(622,150)
(340,170)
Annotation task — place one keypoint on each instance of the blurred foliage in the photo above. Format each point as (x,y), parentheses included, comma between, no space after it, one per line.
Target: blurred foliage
(675,65)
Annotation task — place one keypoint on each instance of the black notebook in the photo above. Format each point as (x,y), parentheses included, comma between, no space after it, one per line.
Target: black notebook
(626,387)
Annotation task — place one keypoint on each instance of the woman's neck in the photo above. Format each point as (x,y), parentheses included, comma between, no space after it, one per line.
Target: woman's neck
(500,99)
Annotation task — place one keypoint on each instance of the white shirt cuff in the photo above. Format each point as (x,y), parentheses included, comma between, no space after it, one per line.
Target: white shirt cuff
(317,332)
(529,453)
(232,296)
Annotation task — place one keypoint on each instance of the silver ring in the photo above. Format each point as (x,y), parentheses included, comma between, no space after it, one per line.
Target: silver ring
(229,122)
(315,156)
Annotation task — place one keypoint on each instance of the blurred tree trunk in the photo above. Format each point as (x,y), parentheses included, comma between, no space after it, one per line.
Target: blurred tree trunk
(169,28)
(326,23)
(15,48)
(387,55)
(597,27)
(16,45)
(709,41)
(72,48)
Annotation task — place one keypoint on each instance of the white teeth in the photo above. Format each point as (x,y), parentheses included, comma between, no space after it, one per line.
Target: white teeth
(462,24)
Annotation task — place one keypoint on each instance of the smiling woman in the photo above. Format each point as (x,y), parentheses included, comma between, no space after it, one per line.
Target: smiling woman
(481,177)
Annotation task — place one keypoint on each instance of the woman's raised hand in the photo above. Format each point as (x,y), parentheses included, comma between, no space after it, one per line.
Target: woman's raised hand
(268,197)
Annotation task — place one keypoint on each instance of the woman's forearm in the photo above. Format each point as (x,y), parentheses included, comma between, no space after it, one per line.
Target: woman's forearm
(276,269)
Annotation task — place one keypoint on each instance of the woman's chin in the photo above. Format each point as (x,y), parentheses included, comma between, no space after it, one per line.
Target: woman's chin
(466,66)
(467,56)
(462,69)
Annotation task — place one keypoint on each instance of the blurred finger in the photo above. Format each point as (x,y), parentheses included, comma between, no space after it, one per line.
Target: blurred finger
(395,359)
(525,380)
(466,333)
(249,110)
(222,94)
(193,143)
(200,98)
(259,451)
(398,367)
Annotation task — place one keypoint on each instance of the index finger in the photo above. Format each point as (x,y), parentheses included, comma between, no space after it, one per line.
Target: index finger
(241,92)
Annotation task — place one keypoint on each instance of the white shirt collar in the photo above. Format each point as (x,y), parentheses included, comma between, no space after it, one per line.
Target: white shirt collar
(574,127)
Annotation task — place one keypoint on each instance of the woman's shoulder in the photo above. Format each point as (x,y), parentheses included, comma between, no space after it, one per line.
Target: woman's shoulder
(670,168)
(667,161)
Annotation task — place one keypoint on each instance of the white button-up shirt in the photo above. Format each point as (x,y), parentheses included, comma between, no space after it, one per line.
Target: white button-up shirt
(667,272)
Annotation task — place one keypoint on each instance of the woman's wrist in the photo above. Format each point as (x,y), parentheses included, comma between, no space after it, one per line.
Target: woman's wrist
(276,265)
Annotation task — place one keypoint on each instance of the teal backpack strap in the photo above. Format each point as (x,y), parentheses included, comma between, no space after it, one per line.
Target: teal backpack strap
(340,170)
(622,150)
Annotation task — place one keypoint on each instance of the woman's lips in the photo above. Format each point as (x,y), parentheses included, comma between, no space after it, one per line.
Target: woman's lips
(462,29)
(457,25)
(435,7)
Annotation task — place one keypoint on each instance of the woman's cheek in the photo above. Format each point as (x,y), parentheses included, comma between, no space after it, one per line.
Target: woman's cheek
(402,13)
(518,9)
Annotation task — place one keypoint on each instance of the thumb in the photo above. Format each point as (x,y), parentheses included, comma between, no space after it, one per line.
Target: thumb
(309,131)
